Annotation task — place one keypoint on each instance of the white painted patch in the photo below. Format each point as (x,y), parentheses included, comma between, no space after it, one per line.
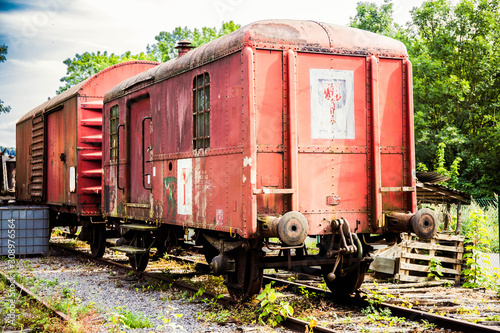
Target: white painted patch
(254,177)
(154,171)
(244,179)
(149,179)
(219,217)
(332,104)
(185,187)
(72,180)
(247,161)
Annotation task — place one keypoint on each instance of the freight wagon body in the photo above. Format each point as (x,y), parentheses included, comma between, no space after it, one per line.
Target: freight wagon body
(282,129)
(59,150)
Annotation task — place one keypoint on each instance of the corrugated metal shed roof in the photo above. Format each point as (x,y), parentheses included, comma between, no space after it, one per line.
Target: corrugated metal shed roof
(431,177)
(439,194)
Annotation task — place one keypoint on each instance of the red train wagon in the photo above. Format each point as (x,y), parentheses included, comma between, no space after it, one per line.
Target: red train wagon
(276,132)
(59,153)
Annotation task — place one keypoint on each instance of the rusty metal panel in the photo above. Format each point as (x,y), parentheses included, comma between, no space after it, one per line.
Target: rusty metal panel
(269,128)
(333,134)
(36,182)
(306,128)
(65,144)
(395,161)
(23,167)
(139,155)
(56,140)
(60,156)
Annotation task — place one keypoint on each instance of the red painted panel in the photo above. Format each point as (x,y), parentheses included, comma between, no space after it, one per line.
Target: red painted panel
(269,97)
(391,102)
(393,140)
(357,65)
(55,171)
(269,126)
(23,141)
(138,111)
(61,154)
(333,139)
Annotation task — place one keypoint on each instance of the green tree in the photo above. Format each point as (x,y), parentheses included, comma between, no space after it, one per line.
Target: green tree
(376,19)
(3,53)
(84,65)
(87,64)
(164,48)
(457,87)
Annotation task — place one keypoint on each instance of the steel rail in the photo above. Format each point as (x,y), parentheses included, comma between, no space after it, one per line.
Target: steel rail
(25,291)
(410,314)
(291,323)
(300,325)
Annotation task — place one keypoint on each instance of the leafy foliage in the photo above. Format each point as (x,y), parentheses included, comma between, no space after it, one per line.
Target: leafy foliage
(376,19)
(435,269)
(457,88)
(453,46)
(477,243)
(164,48)
(87,64)
(83,66)
(3,53)
(271,311)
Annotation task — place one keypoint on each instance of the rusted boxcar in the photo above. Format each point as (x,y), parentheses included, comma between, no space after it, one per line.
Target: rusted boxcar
(281,130)
(59,152)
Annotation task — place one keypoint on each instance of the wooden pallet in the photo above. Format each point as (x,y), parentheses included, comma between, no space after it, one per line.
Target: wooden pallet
(416,255)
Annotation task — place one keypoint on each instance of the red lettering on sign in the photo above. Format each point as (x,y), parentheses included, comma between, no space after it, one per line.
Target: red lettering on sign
(333,93)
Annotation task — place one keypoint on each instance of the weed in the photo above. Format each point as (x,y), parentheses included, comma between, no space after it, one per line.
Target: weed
(270,311)
(435,269)
(428,326)
(168,324)
(126,319)
(477,242)
(197,294)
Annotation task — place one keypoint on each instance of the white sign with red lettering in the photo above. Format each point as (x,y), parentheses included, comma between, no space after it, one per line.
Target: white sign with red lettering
(185,187)
(332,104)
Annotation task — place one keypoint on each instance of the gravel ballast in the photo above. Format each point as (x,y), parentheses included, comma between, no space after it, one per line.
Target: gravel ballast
(111,292)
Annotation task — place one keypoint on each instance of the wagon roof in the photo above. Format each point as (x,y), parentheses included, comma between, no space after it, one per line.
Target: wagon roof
(307,36)
(75,90)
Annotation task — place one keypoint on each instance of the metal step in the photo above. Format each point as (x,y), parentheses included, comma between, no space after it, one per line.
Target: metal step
(92,138)
(95,173)
(92,122)
(92,190)
(92,156)
(129,249)
(140,227)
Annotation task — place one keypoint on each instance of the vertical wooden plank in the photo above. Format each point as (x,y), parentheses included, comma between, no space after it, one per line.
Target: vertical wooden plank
(459,219)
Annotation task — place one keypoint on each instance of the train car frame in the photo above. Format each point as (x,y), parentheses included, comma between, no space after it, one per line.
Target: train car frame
(59,153)
(276,132)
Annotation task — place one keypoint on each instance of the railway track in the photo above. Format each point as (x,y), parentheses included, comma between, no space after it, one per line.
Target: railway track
(26,292)
(297,324)
(400,311)
(291,323)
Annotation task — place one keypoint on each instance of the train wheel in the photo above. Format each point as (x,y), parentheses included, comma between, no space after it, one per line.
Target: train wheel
(246,281)
(73,229)
(98,240)
(210,252)
(139,262)
(343,286)
(175,239)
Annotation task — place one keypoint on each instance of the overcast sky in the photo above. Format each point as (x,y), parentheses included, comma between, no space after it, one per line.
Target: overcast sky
(40,34)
